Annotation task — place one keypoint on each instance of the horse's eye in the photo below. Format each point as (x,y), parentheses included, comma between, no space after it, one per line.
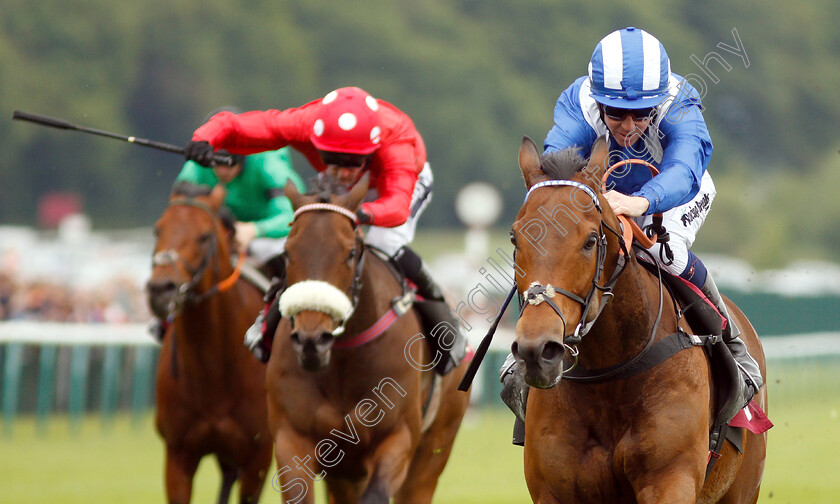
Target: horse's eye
(513,238)
(204,238)
(351,256)
(590,242)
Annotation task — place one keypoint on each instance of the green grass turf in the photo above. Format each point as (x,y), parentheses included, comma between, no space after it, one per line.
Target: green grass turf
(124,462)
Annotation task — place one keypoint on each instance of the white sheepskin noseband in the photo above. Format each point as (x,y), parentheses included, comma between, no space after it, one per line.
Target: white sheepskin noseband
(315,295)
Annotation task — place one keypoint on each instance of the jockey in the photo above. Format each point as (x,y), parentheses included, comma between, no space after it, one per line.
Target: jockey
(344,134)
(254,186)
(254,195)
(652,114)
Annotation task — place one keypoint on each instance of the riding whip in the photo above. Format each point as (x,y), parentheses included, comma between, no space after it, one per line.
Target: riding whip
(225,159)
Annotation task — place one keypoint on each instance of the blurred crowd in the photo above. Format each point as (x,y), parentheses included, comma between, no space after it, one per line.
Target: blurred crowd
(118,300)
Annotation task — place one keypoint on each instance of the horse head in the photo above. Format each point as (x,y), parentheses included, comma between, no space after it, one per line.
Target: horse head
(325,256)
(192,249)
(565,257)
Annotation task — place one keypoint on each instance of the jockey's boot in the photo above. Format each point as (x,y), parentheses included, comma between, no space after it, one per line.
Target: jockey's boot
(260,336)
(274,267)
(750,371)
(441,327)
(515,395)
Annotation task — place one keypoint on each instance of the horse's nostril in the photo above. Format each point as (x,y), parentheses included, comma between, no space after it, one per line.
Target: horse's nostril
(552,351)
(295,338)
(159,288)
(514,349)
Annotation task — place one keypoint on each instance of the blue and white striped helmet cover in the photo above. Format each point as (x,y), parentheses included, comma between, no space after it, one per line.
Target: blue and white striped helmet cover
(629,65)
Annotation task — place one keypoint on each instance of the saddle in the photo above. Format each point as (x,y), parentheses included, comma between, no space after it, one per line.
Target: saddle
(255,276)
(708,325)
(705,320)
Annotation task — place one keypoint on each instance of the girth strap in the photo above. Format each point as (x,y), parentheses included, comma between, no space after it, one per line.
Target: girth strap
(659,352)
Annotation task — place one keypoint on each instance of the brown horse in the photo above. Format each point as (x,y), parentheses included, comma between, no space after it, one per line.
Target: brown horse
(640,439)
(210,389)
(362,411)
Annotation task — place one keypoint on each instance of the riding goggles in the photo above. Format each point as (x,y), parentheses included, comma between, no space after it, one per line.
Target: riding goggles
(618,114)
(344,159)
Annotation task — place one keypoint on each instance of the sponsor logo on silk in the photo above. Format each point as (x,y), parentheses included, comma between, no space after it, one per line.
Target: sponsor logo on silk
(701,206)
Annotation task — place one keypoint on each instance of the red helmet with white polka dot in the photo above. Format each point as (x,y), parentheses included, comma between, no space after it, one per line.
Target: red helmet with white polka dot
(347,121)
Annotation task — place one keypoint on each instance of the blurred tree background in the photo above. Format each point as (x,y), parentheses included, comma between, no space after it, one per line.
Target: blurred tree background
(475,75)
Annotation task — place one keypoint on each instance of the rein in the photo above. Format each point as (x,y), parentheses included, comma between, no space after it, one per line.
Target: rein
(186,293)
(653,233)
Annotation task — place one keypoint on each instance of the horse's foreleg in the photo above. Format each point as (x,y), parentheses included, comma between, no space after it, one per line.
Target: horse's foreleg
(391,461)
(252,475)
(228,479)
(180,469)
(675,487)
(435,446)
(297,469)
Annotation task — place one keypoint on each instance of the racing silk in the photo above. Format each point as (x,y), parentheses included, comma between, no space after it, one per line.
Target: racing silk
(256,194)
(393,167)
(677,142)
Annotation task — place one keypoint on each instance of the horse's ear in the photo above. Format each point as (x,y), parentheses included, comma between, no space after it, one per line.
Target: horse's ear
(291,192)
(217,196)
(597,164)
(529,162)
(354,198)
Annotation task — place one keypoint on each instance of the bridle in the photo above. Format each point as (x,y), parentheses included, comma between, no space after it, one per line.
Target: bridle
(359,254)
(538,293)
(187,293)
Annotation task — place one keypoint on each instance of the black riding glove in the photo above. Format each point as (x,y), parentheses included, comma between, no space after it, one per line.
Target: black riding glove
(201,152)
(363,217)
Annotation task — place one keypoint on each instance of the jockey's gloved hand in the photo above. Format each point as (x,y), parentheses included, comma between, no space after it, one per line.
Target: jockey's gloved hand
(201,152)
(363,217)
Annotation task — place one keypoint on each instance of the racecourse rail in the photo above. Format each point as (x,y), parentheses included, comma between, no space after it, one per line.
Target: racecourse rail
(54,362)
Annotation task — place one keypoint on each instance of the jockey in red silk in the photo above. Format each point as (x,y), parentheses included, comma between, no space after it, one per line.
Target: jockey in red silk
(383,137)
(342,135)
(649,113)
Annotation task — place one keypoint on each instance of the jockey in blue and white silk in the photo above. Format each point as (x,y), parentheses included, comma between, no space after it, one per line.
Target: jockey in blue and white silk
(630,75)
(630,69)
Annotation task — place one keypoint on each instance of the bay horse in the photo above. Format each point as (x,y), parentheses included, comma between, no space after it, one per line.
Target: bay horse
(638,439)
(210,390)
(352,396)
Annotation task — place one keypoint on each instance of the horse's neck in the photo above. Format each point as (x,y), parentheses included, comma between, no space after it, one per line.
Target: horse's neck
(377,281)
(624,327)
(210,328)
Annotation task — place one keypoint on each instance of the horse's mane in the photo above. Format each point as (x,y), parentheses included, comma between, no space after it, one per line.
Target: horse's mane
(562,164)
(190,190)
(324,187)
